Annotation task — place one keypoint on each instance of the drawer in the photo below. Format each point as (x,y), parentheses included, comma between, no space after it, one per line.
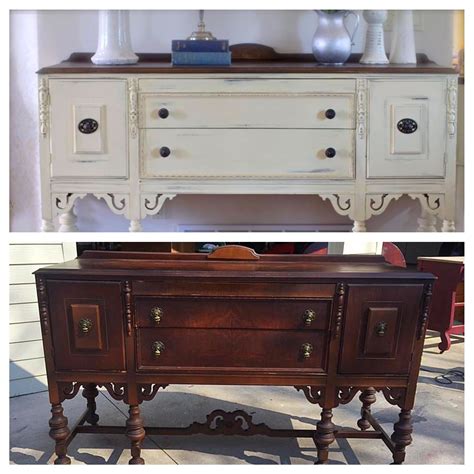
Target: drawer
(379,329)
(232,313)
(182,348)
(87,325)
(88,128)
(242,110)
(249,153)
(407,129)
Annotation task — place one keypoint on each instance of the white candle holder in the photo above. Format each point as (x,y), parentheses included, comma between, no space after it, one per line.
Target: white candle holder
(114,45)
(403,49)
(374,52)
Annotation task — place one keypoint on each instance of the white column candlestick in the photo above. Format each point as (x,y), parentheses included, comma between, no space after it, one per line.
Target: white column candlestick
(403,49)
(374,52)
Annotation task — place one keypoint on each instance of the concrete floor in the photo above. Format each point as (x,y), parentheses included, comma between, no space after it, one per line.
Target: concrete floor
(438,417)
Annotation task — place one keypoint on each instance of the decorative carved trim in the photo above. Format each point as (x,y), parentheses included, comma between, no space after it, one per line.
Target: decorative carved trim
(148,391)
(152,203)
(133,107)
(44,99)
(376,204)
(452,101)
(393,395)
(342,203)
(43,305)
(428,292)
(64,202)
(68,390)
(340,296)
(118,202)
(313,394)
(361,86)
(345,394)
(127,294)
(116,390)
(430,203)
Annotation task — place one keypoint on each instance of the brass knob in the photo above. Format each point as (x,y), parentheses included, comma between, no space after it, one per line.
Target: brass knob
(330,114)
(157,347)
(165,152)
(309,316)
(330,152)
(380,329)
(307,349)
(163,113)
(155,314)
(85,326)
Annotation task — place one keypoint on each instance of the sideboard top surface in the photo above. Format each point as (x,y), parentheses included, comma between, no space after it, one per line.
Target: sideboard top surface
(150,264)
(246,58)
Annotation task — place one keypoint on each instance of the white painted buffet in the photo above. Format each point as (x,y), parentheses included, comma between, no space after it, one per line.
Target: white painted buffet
(138,135)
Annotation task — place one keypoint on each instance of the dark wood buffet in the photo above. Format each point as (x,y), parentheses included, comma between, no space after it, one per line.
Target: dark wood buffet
(330,326)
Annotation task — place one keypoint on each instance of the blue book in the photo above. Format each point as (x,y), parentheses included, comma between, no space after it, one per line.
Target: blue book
(184,58)
(200,46)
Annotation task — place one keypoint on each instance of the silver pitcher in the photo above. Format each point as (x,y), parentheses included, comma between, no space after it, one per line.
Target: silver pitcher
(332,42)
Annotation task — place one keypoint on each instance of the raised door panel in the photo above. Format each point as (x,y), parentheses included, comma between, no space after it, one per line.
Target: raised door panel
(89,128)
(380,327)
(407,129)
(234,153)
(87,325)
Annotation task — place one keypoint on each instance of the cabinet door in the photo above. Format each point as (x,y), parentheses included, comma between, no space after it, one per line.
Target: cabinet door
(87,325)
(88,128)
(407,135)
(380,328)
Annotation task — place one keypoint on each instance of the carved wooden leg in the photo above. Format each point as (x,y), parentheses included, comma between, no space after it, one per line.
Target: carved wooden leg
(445,343)
(90,393)
(367,397)
(427,222)
(47,225)
(67,222)
(59,432)
(359,226)
(135,226)
(402,435)
(324,435)
(135,433)
(448,226)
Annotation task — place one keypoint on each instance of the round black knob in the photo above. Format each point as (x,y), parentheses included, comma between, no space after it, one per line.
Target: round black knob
(330,152)
(330,114)
(163,113)
(165,151)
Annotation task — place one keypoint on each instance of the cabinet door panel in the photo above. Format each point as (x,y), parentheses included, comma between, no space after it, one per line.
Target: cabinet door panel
(379,329)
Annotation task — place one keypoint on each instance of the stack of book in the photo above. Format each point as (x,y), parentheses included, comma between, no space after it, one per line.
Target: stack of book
(200,52)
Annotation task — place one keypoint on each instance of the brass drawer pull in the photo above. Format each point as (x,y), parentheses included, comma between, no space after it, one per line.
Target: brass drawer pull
(157,347)
(380,329)
(309,316)
(156,314)
(307,350)
(85,326)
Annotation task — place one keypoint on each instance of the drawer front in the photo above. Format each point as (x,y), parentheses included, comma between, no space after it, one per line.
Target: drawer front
(241,110)
(180,348)
(232,313)
(380,329)
(407,129)
(248,153)
(87,325)
(88,128)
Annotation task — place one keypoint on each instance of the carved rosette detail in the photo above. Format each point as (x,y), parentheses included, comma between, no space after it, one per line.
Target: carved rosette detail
(133,107)
(64,202)
(340,296)
(152,203)
(118,203)
(425,309)
(127,295)
(452,101)
(313,394)
(361,107)
(377,203)
(148,391)
(43,305)
(43,96)
(345,394)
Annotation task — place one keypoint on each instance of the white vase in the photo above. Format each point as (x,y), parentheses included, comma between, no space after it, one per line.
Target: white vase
(114,46)
(403,49)
(374,52)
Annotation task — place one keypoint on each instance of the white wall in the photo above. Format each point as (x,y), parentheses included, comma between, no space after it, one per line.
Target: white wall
(47,37)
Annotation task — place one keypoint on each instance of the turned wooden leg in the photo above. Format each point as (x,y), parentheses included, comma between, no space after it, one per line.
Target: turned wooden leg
(90,393)
(359,226)
(59,432)
(67,221)
(135,433)
(135,226)
(448,226)
(324,435)
(47,225)
(401,436)
(367,397)
(427,222)
(445,343)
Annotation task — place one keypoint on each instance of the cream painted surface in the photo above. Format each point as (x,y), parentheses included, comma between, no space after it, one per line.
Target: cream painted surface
(47,37)
(27,370)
